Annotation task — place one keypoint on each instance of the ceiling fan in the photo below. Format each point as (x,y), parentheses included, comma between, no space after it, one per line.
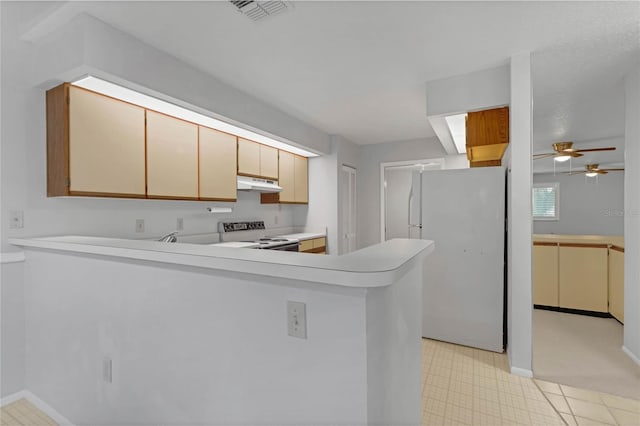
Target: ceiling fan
(565,151)
(591,170)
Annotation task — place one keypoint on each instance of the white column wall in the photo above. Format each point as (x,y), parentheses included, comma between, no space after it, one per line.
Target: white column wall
(519,290)
(632,215)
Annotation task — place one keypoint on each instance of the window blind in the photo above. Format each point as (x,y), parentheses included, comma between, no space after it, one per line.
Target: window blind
(545,200)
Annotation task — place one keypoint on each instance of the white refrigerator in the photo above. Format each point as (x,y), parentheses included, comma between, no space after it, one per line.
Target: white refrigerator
(463,211)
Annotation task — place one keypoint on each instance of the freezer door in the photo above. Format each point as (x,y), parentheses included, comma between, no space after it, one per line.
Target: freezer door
(463,212)
(414,220)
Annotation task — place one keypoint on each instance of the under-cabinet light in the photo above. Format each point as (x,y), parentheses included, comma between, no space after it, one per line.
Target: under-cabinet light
(219,209)
(119,92)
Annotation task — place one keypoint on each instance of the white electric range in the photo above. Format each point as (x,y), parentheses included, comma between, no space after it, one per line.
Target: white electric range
(252,234)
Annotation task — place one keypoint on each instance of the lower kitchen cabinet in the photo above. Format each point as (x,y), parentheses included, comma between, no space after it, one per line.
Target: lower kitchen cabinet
(545,274)
(583,277)
(315,245)
(616,283)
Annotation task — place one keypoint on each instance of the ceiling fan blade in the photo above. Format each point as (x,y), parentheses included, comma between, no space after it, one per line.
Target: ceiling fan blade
(602,172)
(575,173)
(610,148)
(613,170)
(547,155)
(574,154)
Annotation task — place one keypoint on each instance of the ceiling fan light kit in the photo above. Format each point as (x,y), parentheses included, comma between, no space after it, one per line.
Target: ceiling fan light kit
(562,158)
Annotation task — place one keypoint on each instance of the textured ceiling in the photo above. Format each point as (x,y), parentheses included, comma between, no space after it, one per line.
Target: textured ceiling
(358,69)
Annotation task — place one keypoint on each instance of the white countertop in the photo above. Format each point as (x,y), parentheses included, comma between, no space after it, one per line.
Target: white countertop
(236,244)
(375,266)
(302,236)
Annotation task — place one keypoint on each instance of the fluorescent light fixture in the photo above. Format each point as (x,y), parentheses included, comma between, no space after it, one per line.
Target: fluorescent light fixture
(561,158)
(119,92)
(219,209)
(458,130)
(591,174)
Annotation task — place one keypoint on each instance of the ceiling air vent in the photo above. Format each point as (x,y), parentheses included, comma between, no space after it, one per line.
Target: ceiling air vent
(257,10)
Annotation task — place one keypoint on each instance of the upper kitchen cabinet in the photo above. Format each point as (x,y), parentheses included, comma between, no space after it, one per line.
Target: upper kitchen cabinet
(95,145)
(172,157)
(487,136)
(293,179)
(257,160)
(218,157)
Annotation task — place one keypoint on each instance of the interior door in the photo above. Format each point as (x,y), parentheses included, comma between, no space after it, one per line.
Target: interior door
(398,196)
(348,209)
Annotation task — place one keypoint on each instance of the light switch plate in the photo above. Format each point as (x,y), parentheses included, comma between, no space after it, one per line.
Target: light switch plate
(297,319)
(139,225)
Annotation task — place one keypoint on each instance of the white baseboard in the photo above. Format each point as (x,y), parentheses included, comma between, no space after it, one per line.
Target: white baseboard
(631,355)
(521,372)
(38,403)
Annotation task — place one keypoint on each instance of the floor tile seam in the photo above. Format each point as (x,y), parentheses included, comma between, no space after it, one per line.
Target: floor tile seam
(615,419)
(553,406)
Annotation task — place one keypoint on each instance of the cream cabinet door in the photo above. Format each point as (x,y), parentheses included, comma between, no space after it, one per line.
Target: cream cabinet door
(248,157)
(106,145)
(616,284)
(268,162)
(172,157)
(286,179)
(545,275)
(301,175)
(583,277)
(218,158)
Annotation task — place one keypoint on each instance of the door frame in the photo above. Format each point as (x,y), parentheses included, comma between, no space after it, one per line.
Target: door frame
(383,166)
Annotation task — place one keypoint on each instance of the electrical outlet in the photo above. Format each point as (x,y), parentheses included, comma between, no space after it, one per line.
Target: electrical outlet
(297,319)
(275,219)
(107,370)
(139,225)
(179,224)
(16,219)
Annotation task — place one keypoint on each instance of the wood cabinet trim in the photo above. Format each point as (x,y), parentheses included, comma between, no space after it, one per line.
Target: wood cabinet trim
(587,245)
(57,110)
(316,250)
(617,248)
(105,194)
(544,243)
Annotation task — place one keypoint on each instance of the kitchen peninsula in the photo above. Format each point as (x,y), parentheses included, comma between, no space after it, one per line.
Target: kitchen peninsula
(131,331)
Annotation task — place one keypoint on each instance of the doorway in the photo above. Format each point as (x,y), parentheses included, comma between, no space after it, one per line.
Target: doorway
(395,193)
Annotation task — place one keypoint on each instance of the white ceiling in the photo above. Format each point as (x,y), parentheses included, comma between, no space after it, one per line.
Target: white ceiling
(358,69)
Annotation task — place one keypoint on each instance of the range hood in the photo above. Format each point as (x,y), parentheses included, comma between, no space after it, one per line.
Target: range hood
(256,184)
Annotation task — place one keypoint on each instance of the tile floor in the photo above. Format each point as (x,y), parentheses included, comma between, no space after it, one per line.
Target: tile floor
(22,412)
(466,386)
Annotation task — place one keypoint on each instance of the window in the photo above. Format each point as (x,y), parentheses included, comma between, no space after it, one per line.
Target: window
(545,201)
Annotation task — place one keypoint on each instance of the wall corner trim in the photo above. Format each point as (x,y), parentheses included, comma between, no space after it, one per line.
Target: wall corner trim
(522,372)
(12,257)
(39,404)
(631,355)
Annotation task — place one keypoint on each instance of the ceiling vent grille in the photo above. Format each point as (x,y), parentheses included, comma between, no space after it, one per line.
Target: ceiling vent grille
(257,10)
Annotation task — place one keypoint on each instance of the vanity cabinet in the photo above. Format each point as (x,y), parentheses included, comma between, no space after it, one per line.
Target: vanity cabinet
(257,160)
(95,145)
(172,157)
(217,165)
(293,178)
(616,282)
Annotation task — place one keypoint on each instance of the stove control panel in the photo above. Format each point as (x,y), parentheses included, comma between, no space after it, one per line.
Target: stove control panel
(242,226)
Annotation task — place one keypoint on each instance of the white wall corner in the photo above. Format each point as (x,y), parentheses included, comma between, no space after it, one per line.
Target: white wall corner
(39,404)
(12,257)
(520,309)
